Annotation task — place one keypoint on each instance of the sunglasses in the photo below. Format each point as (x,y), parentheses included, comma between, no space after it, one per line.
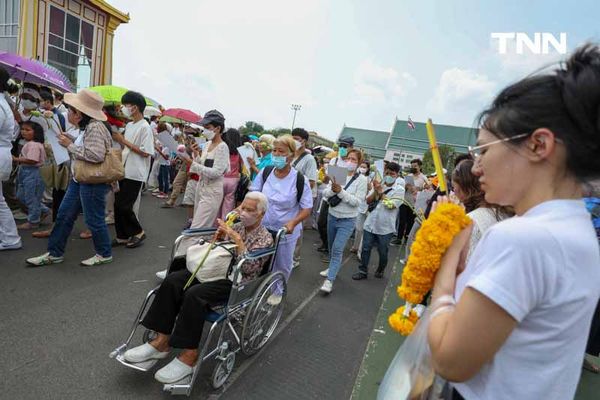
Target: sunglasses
(343,145)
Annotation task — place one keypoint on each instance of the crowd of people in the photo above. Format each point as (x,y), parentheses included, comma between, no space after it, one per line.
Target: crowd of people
(520,285)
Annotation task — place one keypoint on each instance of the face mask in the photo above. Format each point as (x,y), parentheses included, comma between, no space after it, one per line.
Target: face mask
(279,162)
(351,166)
(298,145)
(29,105)
(126,111)
(389,180)
(247,218)
(343,152)
(209,134)
(362,170)
(413,170)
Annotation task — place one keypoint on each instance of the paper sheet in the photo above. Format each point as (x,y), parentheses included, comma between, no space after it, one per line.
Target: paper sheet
(379,166)
(168,141)
(247,152)
(337,174)
(61,154)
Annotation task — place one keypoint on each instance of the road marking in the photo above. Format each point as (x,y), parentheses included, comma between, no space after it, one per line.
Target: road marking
(280,328)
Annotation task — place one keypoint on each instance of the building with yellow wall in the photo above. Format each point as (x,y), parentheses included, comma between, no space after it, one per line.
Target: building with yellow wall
(75,36)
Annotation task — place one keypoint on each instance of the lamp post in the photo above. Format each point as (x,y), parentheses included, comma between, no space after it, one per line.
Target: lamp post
(296,108)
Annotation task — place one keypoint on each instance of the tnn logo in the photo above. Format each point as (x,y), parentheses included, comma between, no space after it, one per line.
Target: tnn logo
(539,45)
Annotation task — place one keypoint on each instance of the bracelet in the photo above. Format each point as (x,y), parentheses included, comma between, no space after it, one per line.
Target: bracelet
(443,300)
(442,310)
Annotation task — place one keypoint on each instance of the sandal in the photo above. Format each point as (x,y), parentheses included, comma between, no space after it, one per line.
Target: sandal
(590,366)
(135,241)
(85,235)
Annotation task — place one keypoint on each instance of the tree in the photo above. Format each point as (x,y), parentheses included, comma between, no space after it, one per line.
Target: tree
(278,131)
(447,154)
(251,128)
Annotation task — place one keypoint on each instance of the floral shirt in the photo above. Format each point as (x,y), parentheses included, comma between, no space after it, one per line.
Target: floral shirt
(259,238)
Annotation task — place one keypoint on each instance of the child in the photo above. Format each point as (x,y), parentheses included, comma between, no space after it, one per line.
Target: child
(164,176)
(30,187)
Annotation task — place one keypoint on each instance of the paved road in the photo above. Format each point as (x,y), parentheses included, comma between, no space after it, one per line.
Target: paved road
(58,324)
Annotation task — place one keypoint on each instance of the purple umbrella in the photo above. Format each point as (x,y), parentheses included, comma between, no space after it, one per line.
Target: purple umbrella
(34,71)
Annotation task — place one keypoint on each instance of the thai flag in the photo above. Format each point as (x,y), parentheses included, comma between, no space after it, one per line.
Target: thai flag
(411,125)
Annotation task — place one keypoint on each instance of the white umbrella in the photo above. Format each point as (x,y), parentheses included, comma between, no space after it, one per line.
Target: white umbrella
(150,111)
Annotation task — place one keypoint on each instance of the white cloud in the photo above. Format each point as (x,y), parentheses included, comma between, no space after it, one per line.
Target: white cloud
(460,91)
(374,85)
(241,57)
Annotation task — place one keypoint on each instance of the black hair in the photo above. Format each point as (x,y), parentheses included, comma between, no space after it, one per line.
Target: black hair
(300,132)
(392,166)
(418,161)
(462,157)
(566,101)
(47,95)
(38,131)
(134,98)
(4,77)
(233,140)
(59,96)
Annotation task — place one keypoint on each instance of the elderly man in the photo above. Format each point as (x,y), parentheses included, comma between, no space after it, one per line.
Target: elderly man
(178,316)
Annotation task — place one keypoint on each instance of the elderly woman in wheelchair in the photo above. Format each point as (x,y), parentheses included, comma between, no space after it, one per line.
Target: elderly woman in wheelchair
(177,315)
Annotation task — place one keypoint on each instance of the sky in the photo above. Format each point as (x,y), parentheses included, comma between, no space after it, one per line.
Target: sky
(359,63)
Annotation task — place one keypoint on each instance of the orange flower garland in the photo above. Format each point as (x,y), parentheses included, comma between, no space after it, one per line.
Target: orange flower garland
(432,240)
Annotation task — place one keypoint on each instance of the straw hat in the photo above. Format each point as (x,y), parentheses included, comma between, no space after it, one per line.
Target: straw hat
(88,102)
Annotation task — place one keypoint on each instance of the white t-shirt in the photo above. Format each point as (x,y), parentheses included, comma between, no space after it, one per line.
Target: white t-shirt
(137,167)
(543,268)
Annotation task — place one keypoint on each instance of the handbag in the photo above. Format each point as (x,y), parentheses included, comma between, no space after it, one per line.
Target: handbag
(108,171)
(217,264)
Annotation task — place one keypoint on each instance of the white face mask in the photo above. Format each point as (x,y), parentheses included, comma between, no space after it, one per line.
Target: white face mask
(209,134)
(298,144)
(29,105)
(126,111)
(362,170)
(351,166)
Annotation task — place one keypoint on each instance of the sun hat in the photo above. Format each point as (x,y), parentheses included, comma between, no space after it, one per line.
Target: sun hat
(88,102)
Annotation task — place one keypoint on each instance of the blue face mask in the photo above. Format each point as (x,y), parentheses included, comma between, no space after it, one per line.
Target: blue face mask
(279,162)
(343,152)
(389,180)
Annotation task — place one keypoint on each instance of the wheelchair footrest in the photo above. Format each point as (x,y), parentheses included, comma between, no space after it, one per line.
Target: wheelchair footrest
(144,366)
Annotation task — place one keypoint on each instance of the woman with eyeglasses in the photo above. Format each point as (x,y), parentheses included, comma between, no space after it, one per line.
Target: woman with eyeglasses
(518,327)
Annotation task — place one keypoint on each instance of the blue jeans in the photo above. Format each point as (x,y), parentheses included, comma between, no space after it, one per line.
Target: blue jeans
(30,189)
(371,240)
(164,177)
(92,199)
(339,231)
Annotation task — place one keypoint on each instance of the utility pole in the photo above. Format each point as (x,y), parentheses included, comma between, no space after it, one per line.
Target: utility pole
(296,108)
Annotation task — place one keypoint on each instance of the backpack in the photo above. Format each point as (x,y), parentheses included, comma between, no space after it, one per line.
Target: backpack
(299,181)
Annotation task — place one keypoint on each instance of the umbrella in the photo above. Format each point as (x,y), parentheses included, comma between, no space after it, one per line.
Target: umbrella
(182,115)
(150,111)
(112,94)
(34,71)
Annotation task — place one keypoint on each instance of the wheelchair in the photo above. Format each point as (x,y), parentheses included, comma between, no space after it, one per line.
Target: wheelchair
(247,316)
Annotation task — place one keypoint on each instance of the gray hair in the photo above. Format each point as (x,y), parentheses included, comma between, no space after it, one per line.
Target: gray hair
(261,200)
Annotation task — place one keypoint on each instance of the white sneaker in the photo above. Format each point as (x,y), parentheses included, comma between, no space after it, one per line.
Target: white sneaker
(143,353)
(109,221)
(173,372)
(274,300)
(327,286)
(44,259)
(15,246)
(161,274)
(19,215)
(324,273)
(96,260)
(295,264)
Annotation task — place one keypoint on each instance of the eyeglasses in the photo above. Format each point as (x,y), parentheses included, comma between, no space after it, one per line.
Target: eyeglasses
(475,151)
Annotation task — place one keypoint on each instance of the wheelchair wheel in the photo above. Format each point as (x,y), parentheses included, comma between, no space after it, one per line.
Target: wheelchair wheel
(262,318)
(223,370)
(149,335)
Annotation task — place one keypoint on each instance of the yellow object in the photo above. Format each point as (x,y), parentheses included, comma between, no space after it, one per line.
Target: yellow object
(432,241)
(435,153)
(231,219)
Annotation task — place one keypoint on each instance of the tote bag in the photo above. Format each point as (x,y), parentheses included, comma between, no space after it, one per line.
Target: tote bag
(216,265)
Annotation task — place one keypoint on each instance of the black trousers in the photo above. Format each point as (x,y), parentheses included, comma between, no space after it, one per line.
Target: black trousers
(322,222)
(593,344)
(126,223)
(188,308)
(406,219)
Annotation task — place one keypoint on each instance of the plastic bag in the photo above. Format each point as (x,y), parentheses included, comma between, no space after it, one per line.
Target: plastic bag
(410,375)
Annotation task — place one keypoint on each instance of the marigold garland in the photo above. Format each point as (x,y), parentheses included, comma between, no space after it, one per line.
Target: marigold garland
(431,242)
